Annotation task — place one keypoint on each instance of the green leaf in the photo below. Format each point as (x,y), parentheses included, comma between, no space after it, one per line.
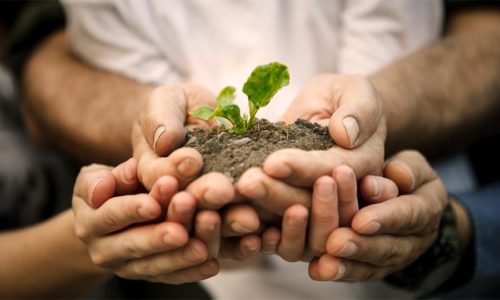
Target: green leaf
(222,121)
(226,96)
(232,113)
(203,112)
(264,82)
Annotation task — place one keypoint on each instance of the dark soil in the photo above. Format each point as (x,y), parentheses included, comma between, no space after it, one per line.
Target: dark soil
(232,154)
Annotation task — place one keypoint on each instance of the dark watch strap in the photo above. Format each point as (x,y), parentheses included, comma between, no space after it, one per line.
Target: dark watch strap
(436,265)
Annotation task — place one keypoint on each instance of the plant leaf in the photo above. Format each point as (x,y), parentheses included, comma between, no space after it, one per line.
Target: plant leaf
(264,82)
(226,96)
(222,121)
(203,112)
(232,113)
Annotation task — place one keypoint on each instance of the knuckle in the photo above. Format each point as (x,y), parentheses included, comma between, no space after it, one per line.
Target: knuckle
(195,252)
(145,268)
(129,249)
(110,220)
(99,259)
(391,253)
(82,232)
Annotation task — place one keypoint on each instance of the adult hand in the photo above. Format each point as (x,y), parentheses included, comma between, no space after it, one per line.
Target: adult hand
(354,113)
(161,129)
(387,236)
(116,225)
(334,204)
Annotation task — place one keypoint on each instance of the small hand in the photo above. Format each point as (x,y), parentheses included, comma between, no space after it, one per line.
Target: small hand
(120,236)
(387,236)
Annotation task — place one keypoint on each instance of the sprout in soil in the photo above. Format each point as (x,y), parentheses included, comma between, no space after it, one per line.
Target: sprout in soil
(264,82)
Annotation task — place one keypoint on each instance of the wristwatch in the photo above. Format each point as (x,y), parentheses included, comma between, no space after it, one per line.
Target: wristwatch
(438,264)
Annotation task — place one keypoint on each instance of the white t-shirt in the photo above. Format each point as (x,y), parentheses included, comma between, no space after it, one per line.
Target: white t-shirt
(218,43)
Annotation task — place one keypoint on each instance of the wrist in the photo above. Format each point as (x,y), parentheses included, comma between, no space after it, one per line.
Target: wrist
(464,224)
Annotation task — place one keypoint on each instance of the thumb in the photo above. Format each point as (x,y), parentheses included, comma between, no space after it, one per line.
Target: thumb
(162,121)
(359,112)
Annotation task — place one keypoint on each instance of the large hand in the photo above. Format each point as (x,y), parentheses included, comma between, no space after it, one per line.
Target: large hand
(334,204)
(352,110)
(354,113)
(161,129)
(120,236)
(387,236)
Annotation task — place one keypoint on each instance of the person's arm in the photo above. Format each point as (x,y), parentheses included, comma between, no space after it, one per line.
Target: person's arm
(46,260)
(446,94)
(81,110)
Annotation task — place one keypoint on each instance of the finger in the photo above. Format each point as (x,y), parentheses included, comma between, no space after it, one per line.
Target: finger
(347,194)
(138,242)
(270,240)
(184,164)
(95,184)
(328,268)
(212,190)
(324,213)
(202,271)
(293,237)
(359,111)
(408,214)
(163,190)
(182,209)
(301,168)
(192,254)
(126,178)
(240,248)
(269,193)
(239,220)
(380,250)
(208,230)
(376,189)
(115,214)
(409,170)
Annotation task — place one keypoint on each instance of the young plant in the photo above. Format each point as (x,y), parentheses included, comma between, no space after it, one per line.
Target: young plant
(264,82)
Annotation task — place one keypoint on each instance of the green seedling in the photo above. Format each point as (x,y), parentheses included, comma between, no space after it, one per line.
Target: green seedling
(264,82)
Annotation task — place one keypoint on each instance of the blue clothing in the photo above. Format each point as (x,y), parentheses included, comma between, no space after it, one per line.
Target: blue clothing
(484,209)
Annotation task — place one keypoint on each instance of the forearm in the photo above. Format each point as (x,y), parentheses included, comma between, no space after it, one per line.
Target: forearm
(444,95)
(84,111)
(46,260)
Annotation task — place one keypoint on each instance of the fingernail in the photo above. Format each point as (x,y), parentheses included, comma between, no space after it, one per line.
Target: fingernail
(253,248)
(376,189)
(130,173)
(159,131)
(284,171)
(325,191)
(182,207)
(258,191)
(92,188)
(352,129)
(340,272)
(236,227)
(207,226)
(348,250)
(188,167)
(145,213)
(168,240)
(371,228)
(209,268)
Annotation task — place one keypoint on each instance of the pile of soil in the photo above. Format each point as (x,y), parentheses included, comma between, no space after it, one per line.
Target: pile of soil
(232,154)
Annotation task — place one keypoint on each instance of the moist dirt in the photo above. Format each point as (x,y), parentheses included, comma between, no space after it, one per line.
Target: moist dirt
(232,154)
